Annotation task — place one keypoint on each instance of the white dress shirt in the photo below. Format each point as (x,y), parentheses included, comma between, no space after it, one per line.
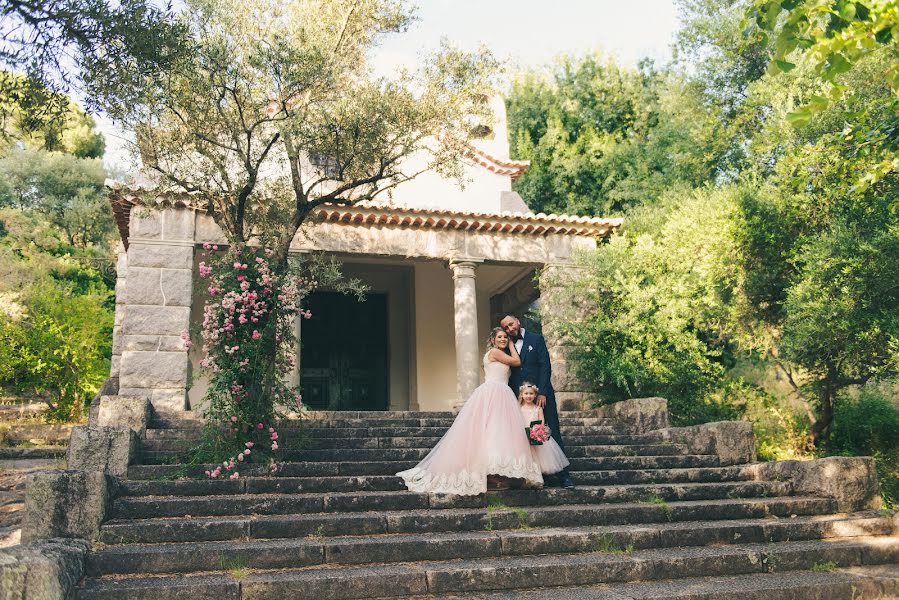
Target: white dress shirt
(519,343)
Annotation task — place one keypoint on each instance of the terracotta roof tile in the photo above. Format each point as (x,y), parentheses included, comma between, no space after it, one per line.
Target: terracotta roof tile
(123,199)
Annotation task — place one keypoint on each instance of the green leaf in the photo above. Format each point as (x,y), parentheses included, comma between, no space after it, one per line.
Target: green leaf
(883,36)
(847,11)
(771,13)
(836,64)
(799,118)
(785,66)
(862,12)
(818,103)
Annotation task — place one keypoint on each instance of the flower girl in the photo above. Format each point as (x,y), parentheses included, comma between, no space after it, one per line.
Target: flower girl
(545,449)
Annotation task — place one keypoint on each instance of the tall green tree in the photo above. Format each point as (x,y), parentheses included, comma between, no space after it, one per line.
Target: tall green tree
(602,139)
(275,112)
(94,46)
(64,189)
(33,116)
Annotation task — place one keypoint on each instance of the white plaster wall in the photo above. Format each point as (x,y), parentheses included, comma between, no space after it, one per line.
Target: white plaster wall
(434,336)
(481,192)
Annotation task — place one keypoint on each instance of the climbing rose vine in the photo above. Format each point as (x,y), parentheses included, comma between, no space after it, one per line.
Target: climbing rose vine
(249,348)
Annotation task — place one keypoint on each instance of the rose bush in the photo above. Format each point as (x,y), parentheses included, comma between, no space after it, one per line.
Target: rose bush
(248,345)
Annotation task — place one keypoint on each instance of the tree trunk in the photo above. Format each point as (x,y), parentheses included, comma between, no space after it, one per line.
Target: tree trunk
(821,427)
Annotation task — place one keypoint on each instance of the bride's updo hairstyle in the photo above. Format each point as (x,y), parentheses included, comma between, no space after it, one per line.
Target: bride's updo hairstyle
(491,340)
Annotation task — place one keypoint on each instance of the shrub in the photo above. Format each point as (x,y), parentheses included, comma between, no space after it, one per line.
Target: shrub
(59,348)
(869,425)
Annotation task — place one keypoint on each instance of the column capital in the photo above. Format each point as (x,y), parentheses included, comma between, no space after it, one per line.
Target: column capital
(464,267)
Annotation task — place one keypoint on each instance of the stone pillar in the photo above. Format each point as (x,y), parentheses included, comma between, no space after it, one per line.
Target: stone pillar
(120,283)
(468,368)
(154,362)
(560,303)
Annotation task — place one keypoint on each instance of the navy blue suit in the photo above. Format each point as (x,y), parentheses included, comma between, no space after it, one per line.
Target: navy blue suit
(535,368)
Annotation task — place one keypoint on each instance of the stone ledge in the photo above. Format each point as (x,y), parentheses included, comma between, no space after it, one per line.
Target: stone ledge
(124,412)
(103,449)
(732,441)
(65,504)
(42,570)
(850,480)
(640,414)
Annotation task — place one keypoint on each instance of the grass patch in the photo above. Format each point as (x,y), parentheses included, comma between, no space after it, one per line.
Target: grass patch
(824,567)
(606,543)
(770,559)
(318,533)
(495,505)
(235,566)
(660,502)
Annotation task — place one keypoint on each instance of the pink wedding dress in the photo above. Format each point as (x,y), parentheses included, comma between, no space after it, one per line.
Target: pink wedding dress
(487,438)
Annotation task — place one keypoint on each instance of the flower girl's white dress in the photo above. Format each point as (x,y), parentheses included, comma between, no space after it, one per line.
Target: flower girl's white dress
(548,455)
(487,438)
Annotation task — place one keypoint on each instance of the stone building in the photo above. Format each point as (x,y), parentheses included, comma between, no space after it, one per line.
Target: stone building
(443,264)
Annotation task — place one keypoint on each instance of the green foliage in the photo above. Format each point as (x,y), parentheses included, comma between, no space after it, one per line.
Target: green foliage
(63,189)
(602,139)
(868,425)
(274,111)
(824,567)
(55,346)
(90,45)
(662,290)
(831,41)
(36,117)
(607,543)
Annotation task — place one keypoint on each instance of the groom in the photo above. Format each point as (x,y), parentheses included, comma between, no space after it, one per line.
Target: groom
(535,368)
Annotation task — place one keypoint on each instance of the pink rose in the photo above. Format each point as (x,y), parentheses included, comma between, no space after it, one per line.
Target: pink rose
(234,419)
(260,426)
(249,444)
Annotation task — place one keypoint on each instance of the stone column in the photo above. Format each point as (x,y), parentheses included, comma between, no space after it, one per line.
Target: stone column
(154,362)
(468,368)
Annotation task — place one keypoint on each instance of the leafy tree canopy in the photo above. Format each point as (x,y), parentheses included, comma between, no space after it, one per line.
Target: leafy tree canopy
(275,111)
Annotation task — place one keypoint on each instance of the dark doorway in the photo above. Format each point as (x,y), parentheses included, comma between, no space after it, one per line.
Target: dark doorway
(343,360)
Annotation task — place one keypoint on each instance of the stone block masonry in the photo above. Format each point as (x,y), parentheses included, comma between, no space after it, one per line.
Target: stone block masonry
(153,361)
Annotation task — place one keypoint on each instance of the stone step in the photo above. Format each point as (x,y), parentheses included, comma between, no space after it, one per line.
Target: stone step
(46,434)
(872,582)
(200,487)
(23,453)
(357,550)
(399,421)
(518,572)
(349,451)
(385,467)
(262,497)
(255,526)
(424,437)
(625,443)
(165,418)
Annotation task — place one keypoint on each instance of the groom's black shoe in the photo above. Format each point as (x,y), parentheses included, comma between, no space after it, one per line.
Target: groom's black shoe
(565,480)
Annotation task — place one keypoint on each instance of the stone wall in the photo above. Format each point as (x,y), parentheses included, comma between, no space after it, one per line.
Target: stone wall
(559,303)
(157,296)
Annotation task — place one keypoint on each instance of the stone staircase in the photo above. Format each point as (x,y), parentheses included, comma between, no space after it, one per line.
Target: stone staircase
(647,519)
(27,444)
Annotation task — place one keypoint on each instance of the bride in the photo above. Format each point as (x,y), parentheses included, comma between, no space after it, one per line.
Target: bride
(486,441)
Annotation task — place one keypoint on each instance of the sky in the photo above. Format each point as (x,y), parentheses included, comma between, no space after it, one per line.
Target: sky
(525,33)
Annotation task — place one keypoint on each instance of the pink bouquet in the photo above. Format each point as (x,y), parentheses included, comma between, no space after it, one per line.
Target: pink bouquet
(538,433)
